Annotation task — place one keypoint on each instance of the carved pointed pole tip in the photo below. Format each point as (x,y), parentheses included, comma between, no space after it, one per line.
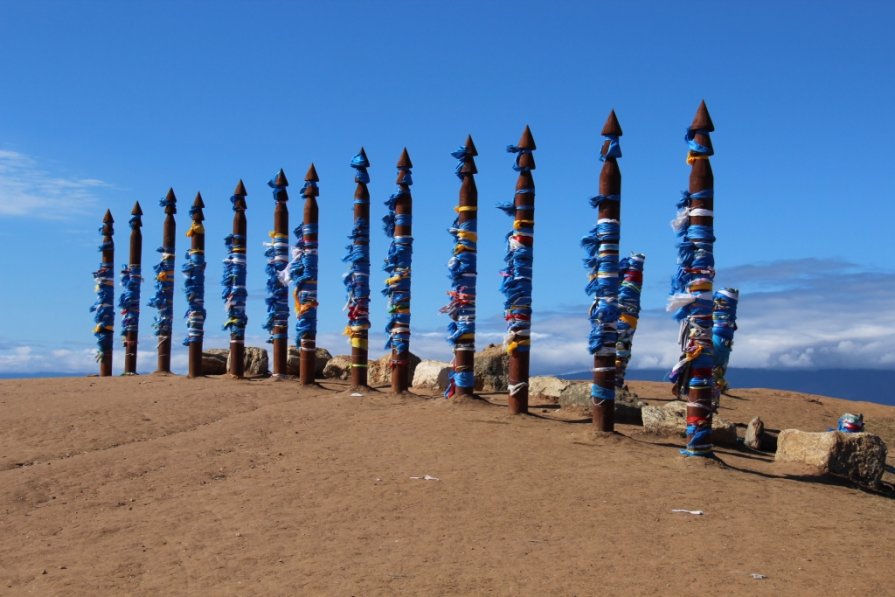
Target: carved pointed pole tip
(108,217)
(311,175)
(702,120)
(612,127)
(470,146)
(197,202)
(170,196)
(527,141)
(240,189)
(404,160)
(281,180)
(136,211)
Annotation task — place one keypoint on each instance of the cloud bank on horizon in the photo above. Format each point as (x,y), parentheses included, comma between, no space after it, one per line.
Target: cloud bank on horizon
(790,316)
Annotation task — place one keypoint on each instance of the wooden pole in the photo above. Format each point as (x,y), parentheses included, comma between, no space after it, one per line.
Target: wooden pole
(278,305)
(105,305)
(400,282)
(463,271)
(195,287)
(357,281)
(699,276)
(609,225)
(518,274)
(307,289)
(237,295)
(131,279)
(165,285)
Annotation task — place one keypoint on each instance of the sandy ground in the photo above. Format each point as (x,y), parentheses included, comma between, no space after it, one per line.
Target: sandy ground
(163,485)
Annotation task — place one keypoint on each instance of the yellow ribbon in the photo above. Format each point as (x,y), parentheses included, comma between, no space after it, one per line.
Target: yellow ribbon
(195,228)
(630,320)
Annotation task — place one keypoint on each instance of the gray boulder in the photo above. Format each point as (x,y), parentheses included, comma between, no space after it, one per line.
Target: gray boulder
(671,420)
(214,361)
(576,395)
(754,434)
(338,367)
(380,371)
(433,375)
(255,362)
(293,361)
(547,387)
(858,457)
(491,369)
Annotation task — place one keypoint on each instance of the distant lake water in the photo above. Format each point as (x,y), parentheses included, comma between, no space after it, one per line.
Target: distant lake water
(869,385)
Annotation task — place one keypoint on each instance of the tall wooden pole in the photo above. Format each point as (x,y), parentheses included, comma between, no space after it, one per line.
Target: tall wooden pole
(104,307)
(692,287)
(517,282)
(357,281)
(131,279)
(235,292)
(605,282)
(194,268)
(463,271)
(399,223)
(306,289)
(164,297)
(278,291)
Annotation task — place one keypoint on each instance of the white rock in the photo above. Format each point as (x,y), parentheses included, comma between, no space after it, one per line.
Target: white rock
(432,375)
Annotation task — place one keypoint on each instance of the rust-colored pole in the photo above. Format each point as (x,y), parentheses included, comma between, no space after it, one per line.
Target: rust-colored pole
(517,283)
(278,290)
(194,268)
(164,299)
(463,271)
(398,265)
(235,280)
(605,316)
(131,279)
(306,288)
(693,287)
(105,297)
(357,281)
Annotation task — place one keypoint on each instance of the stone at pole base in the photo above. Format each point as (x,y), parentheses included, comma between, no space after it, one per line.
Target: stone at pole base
(858,457)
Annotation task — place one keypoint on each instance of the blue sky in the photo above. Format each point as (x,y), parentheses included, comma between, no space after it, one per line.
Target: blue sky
(105,103)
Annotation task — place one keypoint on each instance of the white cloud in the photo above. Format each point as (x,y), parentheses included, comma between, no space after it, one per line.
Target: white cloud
(31,190)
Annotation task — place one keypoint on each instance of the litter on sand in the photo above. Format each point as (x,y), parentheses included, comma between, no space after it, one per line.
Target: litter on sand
(758,576)
(356,394)
(693,512)
(426,478)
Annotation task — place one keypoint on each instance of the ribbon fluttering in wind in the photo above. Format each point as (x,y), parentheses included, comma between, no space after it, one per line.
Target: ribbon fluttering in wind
(462,273)
(691,300)
(277,253)
(129,301)
(302,272)
(357,280)
(163,300)
(724,324)
(601,246)
(104,306)
(630,271)
(517,275)
(397,265)
(193,270)
(233,280)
